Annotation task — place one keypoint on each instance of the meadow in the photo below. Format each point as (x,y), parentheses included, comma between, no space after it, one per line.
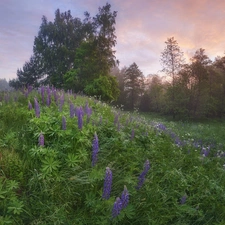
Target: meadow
(72,159)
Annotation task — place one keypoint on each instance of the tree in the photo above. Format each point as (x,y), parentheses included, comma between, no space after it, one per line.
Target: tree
(119,75)
(105,87)
(56,45)
(200,77)
(134,85)
(172,61)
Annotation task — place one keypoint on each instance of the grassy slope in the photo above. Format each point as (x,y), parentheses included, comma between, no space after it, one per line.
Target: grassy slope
(56,184)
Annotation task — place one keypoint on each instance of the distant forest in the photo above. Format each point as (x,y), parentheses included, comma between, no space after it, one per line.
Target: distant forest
(4,85)
(74,54)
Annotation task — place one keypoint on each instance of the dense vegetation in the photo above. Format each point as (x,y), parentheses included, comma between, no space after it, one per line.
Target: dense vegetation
(71,159)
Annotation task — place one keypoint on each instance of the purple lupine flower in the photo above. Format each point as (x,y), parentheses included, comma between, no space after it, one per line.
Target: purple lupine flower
(141,178)
(124,197)
(95,150)
(64,123)
(72,110)
(80,118)
(117,207)
(36,108)
(205,151)
(107,184)
(183,199)
(29,106)
(41,140)
(48,99)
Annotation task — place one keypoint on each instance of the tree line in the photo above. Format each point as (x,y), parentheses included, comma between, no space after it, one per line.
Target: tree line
(194,90)
(79,55)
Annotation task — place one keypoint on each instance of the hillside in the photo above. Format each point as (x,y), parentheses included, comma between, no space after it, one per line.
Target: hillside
(71,159)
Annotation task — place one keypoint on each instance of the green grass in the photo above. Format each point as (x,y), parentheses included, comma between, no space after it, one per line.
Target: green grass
(57,184)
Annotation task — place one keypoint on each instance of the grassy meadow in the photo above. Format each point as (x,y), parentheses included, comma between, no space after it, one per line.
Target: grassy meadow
(71,159)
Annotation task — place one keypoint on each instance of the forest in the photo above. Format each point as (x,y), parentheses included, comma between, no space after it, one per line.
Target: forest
(79,55)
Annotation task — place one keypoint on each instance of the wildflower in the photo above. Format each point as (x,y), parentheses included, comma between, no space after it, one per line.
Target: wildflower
(63,123)
(95,149)
(41,140)
(205,151)
(117,207)
(107,184)
(72,110)
(80,118)
(183,199)
(141,178)
(124,197)
(37,108)
(29,106)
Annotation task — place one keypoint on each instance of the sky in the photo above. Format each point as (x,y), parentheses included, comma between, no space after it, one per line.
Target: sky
(142,27)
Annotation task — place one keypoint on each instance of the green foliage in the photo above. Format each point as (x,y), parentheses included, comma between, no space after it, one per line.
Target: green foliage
(106,87)
(57,184)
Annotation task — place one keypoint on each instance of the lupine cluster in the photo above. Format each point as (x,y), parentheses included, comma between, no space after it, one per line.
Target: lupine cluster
(41,140)
(95,150)
(107,184)
(141,178)
(36,108)
(120,203)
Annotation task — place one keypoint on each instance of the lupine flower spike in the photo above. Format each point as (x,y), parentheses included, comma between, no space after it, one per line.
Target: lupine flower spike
(141,178)
(80,118)
(117,207)
(30,106)
(41,140)
(107,184)
(95,150)
(63,123)
(124,197)
(36,108)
